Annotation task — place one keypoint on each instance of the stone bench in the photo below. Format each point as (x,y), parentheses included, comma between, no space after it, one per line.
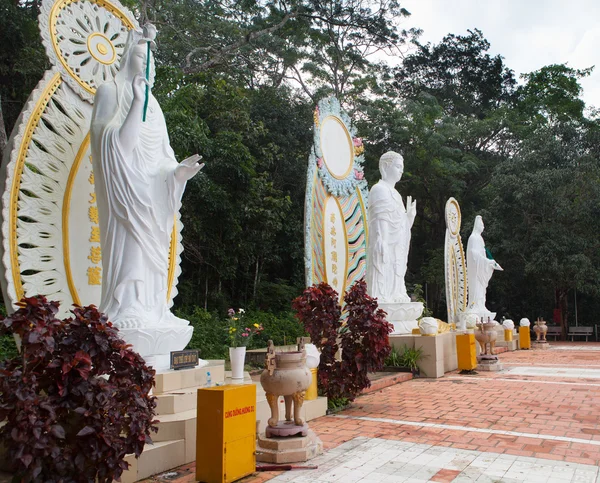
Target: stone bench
(554,330)
(581,331)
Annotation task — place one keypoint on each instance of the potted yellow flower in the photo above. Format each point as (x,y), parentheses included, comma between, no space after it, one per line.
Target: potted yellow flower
(239,337)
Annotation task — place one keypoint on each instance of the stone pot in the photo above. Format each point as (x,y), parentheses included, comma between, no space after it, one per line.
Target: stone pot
(540,328)
(286,375)
(486,335)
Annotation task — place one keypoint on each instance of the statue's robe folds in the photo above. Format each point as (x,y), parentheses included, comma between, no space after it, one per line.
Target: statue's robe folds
(138,197)
(479,271)
(389,242)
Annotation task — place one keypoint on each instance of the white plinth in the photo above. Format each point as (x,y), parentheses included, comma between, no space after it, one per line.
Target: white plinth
(155,344)
(403,316)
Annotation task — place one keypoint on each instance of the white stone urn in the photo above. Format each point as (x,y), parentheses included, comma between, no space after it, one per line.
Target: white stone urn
(428,326)
(508,324)
(524,322)
(467,321)
(287,375)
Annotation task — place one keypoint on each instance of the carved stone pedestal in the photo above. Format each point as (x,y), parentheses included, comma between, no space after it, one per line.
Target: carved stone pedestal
(540,345)
(291,449)
(403,316)
(488,363)
(286,428)
(155,344)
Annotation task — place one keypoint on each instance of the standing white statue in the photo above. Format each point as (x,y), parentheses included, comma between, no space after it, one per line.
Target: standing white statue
(389,242)
(479,271)
(139,186)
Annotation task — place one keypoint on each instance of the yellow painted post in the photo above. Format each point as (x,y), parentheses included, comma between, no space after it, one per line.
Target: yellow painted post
(524,338)
(311,392)
(508,335)
(226,433)
(466,352)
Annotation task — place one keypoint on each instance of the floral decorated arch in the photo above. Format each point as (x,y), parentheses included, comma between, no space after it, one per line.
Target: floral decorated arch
(335,221)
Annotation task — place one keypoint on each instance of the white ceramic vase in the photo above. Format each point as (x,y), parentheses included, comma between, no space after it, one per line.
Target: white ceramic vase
(237,356)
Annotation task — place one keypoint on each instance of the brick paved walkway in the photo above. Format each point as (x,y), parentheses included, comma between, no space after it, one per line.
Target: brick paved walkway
(536,419)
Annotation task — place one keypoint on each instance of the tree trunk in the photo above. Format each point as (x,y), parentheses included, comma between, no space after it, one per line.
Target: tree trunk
(206,291)
(256,271)
(562,304)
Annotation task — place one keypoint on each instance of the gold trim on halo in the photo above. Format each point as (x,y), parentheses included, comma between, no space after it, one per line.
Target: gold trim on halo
(350,143)
(172,257)
(32,123)
(56,8)
(101,47)
(347,249)
(65,217)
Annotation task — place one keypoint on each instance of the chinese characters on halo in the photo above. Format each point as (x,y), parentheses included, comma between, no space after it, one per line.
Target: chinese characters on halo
(94,272)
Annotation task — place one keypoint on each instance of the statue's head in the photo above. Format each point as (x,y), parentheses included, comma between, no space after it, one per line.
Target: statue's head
(135,54)
(478,225)
(391,166)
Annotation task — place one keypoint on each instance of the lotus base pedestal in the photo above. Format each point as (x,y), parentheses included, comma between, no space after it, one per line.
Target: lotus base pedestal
(155,344)
(403,316)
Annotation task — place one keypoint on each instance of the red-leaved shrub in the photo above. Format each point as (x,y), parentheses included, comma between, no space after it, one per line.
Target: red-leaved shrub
(76,400)
(363,338)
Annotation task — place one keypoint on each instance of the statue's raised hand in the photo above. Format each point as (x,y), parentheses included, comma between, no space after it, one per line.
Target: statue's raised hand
(188,168)
(138,85)
(411,208)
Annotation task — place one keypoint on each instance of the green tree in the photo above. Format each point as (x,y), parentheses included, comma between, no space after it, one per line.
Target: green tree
(22,59)
(459,73)
(543,199)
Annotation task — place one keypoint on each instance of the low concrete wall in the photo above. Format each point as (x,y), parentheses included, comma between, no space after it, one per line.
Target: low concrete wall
(439,352)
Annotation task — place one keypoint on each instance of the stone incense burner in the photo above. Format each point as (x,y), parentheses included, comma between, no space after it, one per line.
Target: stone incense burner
(286,375)
(485,333)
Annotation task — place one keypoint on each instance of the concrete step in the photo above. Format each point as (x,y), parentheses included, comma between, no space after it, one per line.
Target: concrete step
(185,399)
(156,458)
(183,425)
(175,380)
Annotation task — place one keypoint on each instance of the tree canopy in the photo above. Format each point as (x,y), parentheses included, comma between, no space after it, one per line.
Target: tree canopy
(238,81)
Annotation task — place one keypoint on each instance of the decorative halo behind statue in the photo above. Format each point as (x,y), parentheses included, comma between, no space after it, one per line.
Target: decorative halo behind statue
(335,210)
(454,262)
(85,40)
(50,232)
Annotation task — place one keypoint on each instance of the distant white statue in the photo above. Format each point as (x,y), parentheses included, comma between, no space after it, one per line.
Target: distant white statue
(389,233)
(139,186)
(480,268)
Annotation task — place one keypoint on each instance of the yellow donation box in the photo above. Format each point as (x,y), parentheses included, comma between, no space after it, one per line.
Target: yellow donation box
(466,352)
(524,338)
(226,433)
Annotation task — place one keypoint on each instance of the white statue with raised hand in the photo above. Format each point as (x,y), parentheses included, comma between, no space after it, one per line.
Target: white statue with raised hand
(389,231)
(390,224)
(480,268)
(139,186)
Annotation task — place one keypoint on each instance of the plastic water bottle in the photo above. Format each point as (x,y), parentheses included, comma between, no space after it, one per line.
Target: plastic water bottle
(208,380)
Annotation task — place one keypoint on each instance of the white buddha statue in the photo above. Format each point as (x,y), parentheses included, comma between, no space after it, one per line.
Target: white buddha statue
(139,186)
(389,233)
(390,224)
(480,268)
